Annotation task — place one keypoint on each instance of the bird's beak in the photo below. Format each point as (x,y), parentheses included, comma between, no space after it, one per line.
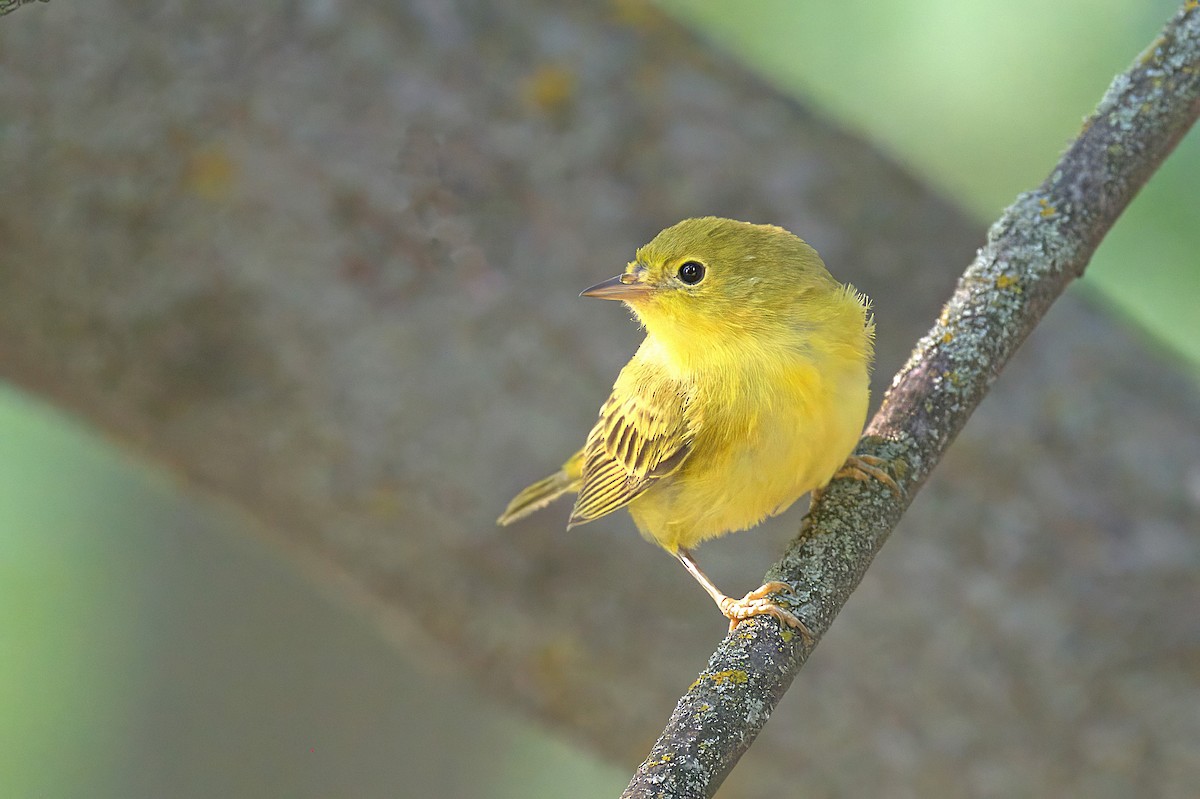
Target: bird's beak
(625,286)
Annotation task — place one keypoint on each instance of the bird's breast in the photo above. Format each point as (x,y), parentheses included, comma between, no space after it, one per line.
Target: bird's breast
(765,439)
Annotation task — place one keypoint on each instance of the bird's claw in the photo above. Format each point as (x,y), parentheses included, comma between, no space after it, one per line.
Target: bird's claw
(866,467)
(758,603)
(773,587)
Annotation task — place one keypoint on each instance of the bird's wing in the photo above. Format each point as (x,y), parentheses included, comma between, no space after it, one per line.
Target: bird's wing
(645,432)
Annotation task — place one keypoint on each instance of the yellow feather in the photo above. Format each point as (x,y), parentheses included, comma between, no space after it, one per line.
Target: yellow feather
(545,491)
(749,391)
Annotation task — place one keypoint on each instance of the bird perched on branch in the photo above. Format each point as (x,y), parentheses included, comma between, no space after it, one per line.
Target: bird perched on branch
(749,391)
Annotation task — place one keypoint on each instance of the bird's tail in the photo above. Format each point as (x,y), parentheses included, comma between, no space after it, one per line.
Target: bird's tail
(545,491)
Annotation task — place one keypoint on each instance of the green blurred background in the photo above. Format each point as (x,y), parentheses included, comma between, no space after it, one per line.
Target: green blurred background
(103,559)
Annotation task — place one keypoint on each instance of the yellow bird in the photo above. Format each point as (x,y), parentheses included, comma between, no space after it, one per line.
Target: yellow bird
(749,391)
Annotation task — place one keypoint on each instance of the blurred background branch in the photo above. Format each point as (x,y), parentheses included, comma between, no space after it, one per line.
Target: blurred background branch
(317,261)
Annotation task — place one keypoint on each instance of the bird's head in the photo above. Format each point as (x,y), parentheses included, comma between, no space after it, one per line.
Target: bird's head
(718,277)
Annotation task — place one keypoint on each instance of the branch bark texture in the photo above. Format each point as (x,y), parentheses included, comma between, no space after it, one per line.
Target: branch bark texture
(1039,245)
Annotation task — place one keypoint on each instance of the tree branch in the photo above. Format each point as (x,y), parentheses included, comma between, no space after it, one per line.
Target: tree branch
(1038,246)
(7,6)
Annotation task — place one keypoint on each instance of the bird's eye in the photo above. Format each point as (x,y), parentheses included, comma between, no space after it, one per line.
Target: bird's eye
(691,272)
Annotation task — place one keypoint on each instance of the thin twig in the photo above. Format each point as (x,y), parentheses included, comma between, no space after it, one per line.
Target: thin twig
(7,6)
(1039,245)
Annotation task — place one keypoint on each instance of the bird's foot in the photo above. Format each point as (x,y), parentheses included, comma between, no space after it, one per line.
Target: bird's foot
(866,467)
(758,603)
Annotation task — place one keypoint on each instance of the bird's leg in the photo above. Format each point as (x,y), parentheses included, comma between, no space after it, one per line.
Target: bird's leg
(755,603)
